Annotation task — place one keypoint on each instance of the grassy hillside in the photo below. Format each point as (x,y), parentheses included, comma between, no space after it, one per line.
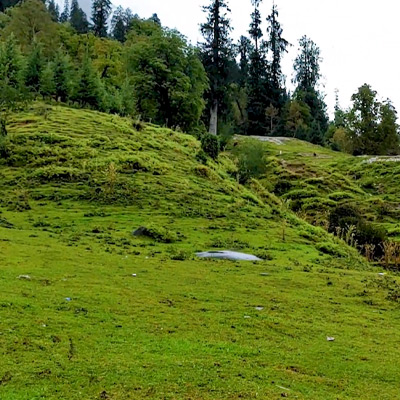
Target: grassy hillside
(89,311)
(315,179)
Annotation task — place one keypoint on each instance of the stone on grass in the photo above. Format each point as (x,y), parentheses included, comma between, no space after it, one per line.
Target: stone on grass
(25,277)
(228,255)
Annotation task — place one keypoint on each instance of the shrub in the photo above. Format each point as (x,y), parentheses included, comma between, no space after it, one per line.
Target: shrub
(210,145)
(331,249)
(157,233)
(250,160)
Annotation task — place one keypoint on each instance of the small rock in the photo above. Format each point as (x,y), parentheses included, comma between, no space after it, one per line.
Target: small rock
(247,316)
(259,308)
(68,298)
(330,339)
(25,277)
(134,275)
(381,274)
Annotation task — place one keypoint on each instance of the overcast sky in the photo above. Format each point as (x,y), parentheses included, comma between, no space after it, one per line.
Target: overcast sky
(359,39)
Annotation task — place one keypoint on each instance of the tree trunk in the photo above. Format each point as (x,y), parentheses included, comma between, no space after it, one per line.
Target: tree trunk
(214,118)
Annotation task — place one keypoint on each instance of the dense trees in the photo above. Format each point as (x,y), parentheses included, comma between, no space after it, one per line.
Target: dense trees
(138,67)
(168,77)
(369,127)
(11,80)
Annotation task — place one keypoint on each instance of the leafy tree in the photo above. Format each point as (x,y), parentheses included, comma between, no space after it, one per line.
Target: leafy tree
(54,10)
(101,10)
(34,69)
(30,22)
(64,17)
(78,18)
(11,80)
(168,78)
(216,54)
(89,89)
(372,125)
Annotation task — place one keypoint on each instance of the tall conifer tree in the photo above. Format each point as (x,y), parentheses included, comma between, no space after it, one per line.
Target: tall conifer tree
(78,18)
(101,10)
(216,54)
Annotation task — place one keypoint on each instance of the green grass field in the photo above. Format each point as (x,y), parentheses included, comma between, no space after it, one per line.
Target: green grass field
(107,315)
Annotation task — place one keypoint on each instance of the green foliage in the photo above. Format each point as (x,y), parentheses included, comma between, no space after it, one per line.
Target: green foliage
(332,249)
(11,80)
(159,234)
(62,76)
(34,68)
(77,18)
(101,10)
(30,22)
(210,145)
(89,90)
(250,156)
(168,78)
(372,126)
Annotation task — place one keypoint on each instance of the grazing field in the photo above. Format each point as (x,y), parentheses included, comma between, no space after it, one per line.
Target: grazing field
(89,311)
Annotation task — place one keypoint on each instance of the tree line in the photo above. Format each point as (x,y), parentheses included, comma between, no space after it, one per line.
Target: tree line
(135,66)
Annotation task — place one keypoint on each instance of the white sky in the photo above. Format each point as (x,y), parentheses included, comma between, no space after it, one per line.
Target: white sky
(359,39)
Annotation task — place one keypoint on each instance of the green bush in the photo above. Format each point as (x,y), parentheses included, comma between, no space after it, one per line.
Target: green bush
(250,160)
(157,233)
(331,249)
(210,145)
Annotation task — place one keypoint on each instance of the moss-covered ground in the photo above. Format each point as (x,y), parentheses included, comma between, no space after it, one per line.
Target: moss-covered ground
(89,311)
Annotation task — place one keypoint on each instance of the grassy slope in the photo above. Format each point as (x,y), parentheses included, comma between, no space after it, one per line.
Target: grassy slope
(77,183)
(320,179)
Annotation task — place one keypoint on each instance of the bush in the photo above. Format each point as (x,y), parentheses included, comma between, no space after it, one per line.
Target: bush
(157,233)
(343,217)
(210,145)
(331,249)
(250,160)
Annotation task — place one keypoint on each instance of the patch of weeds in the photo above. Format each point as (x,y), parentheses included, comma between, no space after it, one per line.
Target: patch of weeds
(179,254)
(40,223)
(6,224)
(331,249)
(157,233)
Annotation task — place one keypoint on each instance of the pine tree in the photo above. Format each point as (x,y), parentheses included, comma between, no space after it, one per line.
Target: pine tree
(119,25)
(78,19)
(89,87)
(258,80)
(101,10)
(62,76)
(11,80)
(155,19)
(307,75)
(47,82)
(277,46)
(216,54)
(54,10)
(244,49)
(64,17)
(35,64)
